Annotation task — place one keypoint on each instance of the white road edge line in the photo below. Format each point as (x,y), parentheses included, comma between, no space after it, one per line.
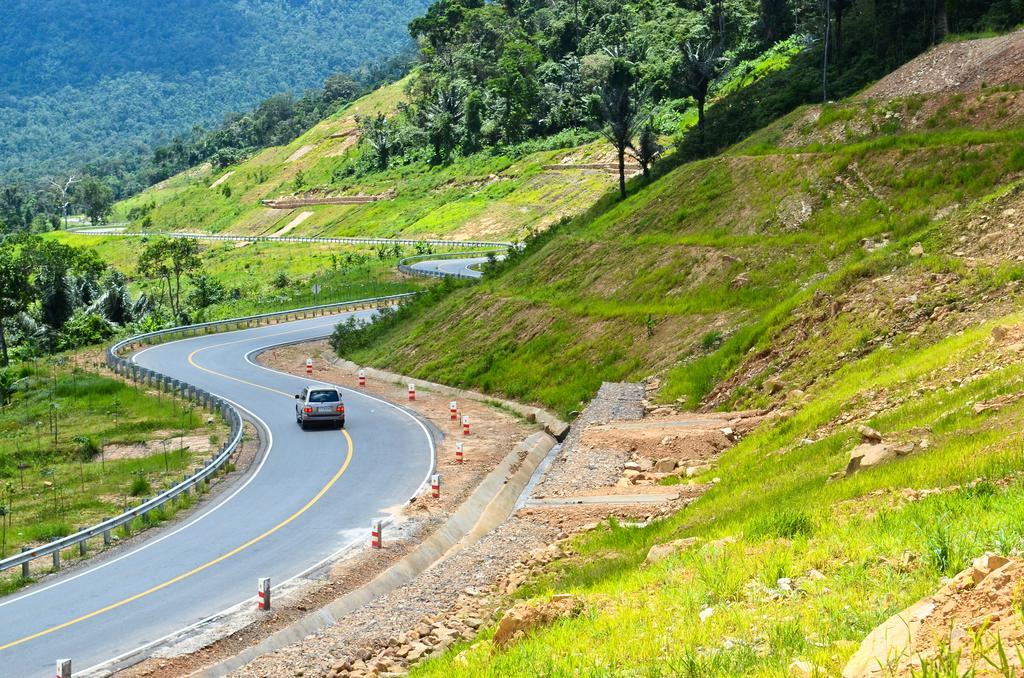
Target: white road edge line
(201,622)
(190,523)
(151,542)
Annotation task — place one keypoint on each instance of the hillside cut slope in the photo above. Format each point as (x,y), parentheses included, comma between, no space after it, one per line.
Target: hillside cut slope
(694,275)
(853,274)
(956,67)
(482,197)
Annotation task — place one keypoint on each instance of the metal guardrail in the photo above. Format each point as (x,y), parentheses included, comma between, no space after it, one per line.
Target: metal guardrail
(298,239)
(404,267)
(209,401)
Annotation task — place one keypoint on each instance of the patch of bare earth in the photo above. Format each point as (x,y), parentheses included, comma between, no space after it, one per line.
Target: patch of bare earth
(163,441)
(957,66)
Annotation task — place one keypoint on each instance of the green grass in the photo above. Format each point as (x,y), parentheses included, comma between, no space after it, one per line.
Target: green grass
(55,477)
(632,287)
(856,551)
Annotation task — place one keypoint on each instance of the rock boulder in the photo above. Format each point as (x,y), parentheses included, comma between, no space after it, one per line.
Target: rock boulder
(524,617)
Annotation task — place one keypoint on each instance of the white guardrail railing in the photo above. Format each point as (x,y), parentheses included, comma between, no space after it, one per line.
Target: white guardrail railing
(209,401)
(296,239)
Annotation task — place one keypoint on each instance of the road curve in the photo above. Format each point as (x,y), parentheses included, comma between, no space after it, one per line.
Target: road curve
(314,493)
(459,267)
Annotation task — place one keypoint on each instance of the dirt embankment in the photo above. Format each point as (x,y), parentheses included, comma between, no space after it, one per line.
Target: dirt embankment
(957,67)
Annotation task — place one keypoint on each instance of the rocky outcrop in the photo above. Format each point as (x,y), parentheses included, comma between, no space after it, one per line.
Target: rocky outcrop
(525,617)
(974,611)
(660,552)
(873,451)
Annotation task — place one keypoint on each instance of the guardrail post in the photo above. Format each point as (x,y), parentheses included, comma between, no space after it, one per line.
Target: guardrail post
(63,668)
(56,560)
(263,594)
(106,537)
(24,566)
(81,548)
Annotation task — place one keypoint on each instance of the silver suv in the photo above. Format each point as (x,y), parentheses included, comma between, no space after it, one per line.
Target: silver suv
(319,404)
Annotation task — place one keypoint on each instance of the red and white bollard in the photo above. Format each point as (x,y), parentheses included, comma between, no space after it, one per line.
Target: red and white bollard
(263,594)
(412,391)
(453,408)
(362,377)
(465,424)
(309,366)
(458,452)
(376,534)
(435,486)
(63,668)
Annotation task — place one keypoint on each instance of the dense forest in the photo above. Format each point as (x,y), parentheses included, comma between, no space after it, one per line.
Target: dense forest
(45,203)
(84,82)
(493,74)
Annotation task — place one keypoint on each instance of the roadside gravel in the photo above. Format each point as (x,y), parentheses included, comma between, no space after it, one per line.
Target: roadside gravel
(391,620)
(577,467)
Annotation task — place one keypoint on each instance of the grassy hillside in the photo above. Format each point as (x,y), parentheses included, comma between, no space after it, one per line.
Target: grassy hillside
(701,267)
(487,195)
(852,264)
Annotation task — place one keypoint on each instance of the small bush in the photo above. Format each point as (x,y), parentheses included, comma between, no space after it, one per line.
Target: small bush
(47,531)
(710,340)
(140,487)
(784,524)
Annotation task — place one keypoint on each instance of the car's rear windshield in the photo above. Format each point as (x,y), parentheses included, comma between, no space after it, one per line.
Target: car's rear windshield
(323,397)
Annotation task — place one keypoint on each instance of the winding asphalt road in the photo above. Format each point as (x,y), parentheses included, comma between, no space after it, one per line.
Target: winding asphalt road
(463,267)
(313,494)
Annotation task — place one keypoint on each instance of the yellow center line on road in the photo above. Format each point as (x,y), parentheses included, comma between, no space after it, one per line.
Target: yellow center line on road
(219,559)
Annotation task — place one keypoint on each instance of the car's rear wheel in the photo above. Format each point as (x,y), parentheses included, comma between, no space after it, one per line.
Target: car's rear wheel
(341,424)
(302,424)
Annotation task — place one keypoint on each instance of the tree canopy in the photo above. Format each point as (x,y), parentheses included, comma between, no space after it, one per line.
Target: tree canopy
(83,82)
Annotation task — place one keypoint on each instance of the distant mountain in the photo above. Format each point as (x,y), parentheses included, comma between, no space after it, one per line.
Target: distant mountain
(82,80)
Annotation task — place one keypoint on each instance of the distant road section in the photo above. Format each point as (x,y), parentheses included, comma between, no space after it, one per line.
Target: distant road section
(461,267)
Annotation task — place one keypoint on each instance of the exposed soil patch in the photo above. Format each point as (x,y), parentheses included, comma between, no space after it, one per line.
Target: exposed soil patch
(224,177)
(300,152)
(164,441)
(292,224)
(956,66)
